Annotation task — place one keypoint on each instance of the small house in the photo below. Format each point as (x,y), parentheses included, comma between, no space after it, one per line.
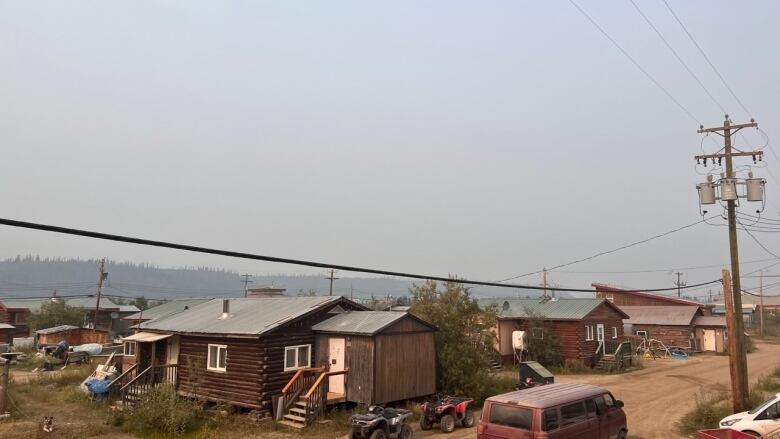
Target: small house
(748,312)
(581,325)
(72,335)
(678,326)
(286,356)
(624,297)
(6,334)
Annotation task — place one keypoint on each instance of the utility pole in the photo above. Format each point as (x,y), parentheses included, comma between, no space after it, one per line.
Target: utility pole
(732,293)
(739,390)
(544,281)
(761,300)
(679,284)
(246,284)
(101,268)
(332,272)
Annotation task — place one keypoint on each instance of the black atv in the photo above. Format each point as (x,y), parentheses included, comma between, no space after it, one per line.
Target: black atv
(381,423)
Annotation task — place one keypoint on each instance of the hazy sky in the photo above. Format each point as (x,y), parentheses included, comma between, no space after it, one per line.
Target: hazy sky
(483,139)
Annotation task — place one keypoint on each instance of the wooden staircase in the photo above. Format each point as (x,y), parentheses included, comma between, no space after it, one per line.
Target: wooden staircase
(306,396)
(613,355)
(132,384)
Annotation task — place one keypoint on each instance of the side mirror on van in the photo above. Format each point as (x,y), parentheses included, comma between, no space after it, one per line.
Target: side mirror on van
(619,404)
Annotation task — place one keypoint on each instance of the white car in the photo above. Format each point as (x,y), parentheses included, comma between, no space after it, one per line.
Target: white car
(762,420)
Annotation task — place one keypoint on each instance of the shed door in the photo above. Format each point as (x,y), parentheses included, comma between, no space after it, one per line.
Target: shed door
(173,350)
(336,362)
(709,340)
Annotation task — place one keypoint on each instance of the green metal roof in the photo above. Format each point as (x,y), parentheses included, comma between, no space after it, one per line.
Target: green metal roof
(166,309)
(560,309)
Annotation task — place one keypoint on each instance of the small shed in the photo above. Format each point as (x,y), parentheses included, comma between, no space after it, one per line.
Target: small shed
(73,335)
(7,333)
(391,356)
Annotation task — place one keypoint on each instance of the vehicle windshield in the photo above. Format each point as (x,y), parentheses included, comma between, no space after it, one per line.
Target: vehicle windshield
(761,406)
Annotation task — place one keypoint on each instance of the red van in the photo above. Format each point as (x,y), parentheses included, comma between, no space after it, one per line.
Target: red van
(554,411)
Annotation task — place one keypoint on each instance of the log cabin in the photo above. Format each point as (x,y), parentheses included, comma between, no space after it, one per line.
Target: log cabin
(583,326)
(287,357)
(679,326)
(73,335)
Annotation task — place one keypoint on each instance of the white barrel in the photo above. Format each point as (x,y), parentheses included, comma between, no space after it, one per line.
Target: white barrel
(728,189)
(755,189)
(518,340)
(706,193)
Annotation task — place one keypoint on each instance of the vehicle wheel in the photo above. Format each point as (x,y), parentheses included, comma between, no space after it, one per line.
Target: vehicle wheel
(378,434)
(447,424)
(623,434)
(468,419)
(406,432)
(425,424)
(752,433)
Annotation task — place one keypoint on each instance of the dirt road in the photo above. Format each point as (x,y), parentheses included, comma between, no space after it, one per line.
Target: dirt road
(658,395)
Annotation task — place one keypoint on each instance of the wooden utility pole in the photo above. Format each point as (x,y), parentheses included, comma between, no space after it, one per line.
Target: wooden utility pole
(332,272)
(246,284)
(738,387)
(734,292)
(679,284)
(544,281)
(761,300)
(101,268)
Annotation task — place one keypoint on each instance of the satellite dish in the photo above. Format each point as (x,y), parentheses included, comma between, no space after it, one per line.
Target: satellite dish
(114,315)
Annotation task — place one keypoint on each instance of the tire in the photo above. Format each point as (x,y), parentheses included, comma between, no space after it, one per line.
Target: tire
(468,419)
(447,423)
(623,434)
(752,433)
(406,432)
(425,424)
(378,434)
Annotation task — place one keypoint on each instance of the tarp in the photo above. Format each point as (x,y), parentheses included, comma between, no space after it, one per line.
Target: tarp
(90,348)
(146,337)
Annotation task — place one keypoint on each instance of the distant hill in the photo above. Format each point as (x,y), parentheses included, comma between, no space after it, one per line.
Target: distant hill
(31,276)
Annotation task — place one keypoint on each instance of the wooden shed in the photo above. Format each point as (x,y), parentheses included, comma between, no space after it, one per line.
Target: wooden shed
(7,333)
(391,356)
(73,335)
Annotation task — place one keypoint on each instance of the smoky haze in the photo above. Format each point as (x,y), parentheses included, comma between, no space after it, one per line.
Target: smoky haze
(441,137)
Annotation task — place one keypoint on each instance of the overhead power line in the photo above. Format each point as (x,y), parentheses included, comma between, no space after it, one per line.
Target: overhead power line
(242,255)
(663,270)
(715,69)
(634,61)
(606,252)
(676,55)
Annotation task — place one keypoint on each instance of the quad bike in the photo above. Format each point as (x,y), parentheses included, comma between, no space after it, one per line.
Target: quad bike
(381,423)
(446,412)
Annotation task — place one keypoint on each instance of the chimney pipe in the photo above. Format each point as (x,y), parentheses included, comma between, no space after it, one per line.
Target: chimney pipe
(225,308)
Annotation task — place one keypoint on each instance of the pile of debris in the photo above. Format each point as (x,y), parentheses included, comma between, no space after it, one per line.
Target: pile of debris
(98,383)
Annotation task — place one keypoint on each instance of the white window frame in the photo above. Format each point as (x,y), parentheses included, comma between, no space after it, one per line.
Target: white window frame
(132,349)
(614,332)
(641,334)
(298,364)
(589,333)
(220,348)
(539,335)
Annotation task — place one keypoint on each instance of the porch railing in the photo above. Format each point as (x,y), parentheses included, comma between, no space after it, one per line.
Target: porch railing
(122,380)
(298,385)
(317,397)
(149,378)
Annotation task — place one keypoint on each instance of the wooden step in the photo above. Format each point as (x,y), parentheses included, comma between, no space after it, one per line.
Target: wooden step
(295,418)
(299,411)
(291,424)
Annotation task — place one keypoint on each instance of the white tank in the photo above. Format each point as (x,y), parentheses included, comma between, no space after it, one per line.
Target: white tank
(755,188)
(518,340)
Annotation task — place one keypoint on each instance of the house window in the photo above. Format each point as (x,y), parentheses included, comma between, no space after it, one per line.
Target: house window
(217,359)
(589,333)
(297,357)
(611,297)
(614,332)
(129,349)
(641,334)
(537,333)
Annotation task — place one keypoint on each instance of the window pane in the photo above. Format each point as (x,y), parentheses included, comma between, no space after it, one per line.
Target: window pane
(222,357)
(608,400)
(515,417)
(550,420)
(303,356)
(590,406)
(289,358)
(572,413)
(601,406)
(212,356)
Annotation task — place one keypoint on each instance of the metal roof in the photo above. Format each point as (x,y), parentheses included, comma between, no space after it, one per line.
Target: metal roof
(747,308)
(561,309)
(78,302)
(6,326)
(166,309)
(56,329)
(247,316)
(549,395)
(660,315)
(359,322)
(610,289)
(146,337)
(710,321)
